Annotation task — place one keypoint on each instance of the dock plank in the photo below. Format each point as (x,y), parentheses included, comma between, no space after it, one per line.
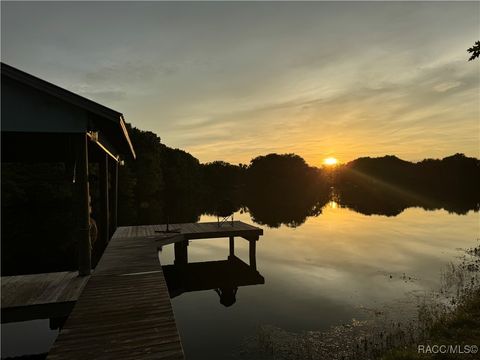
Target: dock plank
(124,311)
(39,289)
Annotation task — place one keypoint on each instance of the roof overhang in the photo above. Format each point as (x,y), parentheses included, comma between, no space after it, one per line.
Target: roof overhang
(101,113)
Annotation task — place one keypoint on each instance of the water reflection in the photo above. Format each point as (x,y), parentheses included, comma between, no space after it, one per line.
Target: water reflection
(293,211)
(375,200)
(290,209)
(282,190)
(28,339)
(323,273)
(224,277)
(29,332)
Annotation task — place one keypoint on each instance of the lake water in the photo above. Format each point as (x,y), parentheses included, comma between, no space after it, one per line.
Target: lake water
(323,273)
(333,268)
(31,337)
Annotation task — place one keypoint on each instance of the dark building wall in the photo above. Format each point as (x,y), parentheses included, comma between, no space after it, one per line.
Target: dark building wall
(25,109)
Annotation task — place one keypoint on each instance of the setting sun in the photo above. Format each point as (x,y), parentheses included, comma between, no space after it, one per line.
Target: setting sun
(330,161)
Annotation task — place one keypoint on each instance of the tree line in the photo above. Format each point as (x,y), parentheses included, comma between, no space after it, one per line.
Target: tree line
(170,185)
(387,185)
(166,184)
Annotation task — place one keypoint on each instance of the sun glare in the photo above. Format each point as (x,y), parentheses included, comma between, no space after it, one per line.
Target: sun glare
(330,161)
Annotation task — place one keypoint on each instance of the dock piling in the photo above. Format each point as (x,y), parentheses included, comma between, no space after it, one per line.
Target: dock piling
(252,251)
(232,246)
(181,252)
(104,203)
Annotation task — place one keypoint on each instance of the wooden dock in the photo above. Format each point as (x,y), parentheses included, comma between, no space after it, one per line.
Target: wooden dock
(39,296)
(124,311)
(195,231)
(182,234)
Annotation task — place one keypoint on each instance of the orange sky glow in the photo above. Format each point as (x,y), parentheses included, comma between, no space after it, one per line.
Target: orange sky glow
(294,80)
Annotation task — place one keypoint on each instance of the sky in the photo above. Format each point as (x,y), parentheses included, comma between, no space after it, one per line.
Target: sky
(234,80)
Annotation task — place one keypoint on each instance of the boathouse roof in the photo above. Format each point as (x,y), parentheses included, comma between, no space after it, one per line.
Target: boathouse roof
(31,105)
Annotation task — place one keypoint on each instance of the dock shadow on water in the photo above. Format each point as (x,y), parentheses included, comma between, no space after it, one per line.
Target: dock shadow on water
(222,276)
(225,277)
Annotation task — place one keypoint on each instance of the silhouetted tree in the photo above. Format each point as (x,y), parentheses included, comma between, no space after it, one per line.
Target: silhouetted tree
(222,181)
(162,184)
(283,189)
(474,50)
(388,185)
(142,181)
(183,185)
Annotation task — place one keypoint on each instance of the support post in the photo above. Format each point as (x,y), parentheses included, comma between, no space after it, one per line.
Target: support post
(83,208)
(181,252)
(232,246)
(253,256)
(114,207)
(104,207)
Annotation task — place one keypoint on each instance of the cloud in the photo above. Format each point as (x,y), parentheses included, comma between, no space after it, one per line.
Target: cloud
(112,96)
(406,118)
(234,80)
(445,86)
(123,73)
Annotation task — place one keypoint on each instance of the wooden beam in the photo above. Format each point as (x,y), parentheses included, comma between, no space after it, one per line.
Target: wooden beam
(251,237)
(94,138)
(181,253)
(114,204)
(104,204)
(232,246)
(38,311)
(83,209)
(125,133)
(253,256)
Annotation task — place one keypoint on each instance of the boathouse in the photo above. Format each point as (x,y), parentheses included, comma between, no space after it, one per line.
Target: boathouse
(44,123)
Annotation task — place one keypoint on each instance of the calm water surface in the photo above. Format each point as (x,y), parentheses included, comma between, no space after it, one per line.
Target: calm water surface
(27,338)
(320,274)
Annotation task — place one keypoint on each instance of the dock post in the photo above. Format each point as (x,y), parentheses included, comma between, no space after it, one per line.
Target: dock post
(181,252)
(83,204)
(232,246)
(114,205)
(104,208)
(252,251)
